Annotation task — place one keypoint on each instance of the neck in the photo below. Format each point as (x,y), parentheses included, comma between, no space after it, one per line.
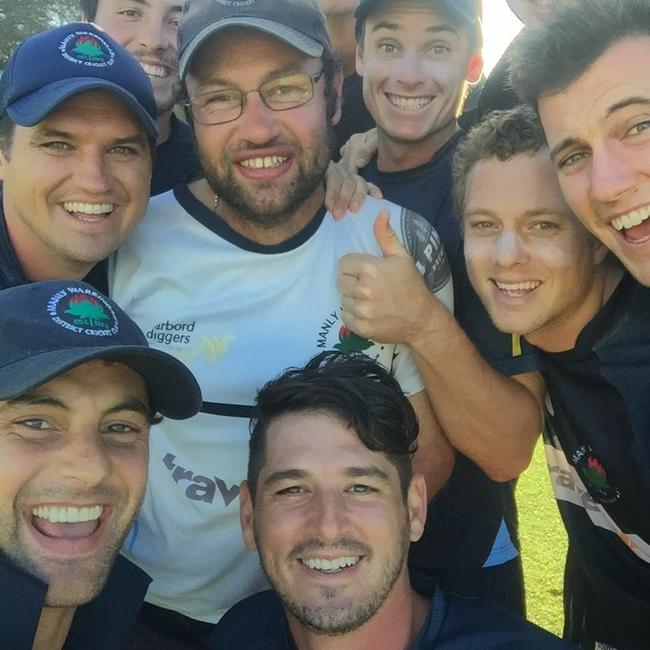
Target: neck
(340,28)
(261,234)
(164,126)
(37,260)
(53,627)
(393,156)
(563,335)
(394,626)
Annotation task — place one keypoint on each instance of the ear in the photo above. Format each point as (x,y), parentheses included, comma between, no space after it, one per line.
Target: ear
(246,515)
(416,503)
(600,252)
(360,63)
(338,89)
(474,68)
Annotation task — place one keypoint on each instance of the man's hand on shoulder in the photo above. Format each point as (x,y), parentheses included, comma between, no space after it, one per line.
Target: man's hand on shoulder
(385,298)
(345,191)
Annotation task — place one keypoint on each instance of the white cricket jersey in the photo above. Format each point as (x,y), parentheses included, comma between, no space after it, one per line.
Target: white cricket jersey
(237,313)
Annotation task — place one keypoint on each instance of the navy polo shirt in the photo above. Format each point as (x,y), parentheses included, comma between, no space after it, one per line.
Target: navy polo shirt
(102,624)
(453,623)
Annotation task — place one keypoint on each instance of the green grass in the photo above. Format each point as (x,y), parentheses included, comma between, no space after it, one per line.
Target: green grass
(543,545)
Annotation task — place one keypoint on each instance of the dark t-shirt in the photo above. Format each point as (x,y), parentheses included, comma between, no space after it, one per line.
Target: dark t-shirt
(102,624)
(598,447)
(176,158)
(355,117)
(464,519)
(452,624)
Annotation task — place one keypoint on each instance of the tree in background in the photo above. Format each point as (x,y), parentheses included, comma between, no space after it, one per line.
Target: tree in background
(21,18)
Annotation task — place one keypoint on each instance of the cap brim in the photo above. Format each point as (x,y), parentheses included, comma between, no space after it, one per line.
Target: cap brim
(33,108)
(173,389)
(296,39)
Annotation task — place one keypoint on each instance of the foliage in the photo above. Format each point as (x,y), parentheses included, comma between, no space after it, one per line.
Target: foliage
(21,18)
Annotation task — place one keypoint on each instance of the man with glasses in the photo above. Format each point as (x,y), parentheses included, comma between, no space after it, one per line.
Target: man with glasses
(236,275)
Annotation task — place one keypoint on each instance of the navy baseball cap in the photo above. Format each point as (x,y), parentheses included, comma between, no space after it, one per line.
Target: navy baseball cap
(48,328)
(50,67)
(469,11)
(299,23)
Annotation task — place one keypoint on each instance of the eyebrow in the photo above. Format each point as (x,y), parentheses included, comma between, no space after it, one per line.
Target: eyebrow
(532,212)
(564,144)
(630,101)
(370,471)
(33,399)
(274,74)
(434,29)
(135,139)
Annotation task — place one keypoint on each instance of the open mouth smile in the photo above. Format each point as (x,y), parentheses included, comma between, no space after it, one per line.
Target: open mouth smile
(517,289)
(409,103)
(335,565)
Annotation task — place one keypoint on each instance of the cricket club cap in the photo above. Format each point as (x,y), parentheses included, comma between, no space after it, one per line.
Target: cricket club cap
(468,11)
(52,66)
(299,23)
(48,328)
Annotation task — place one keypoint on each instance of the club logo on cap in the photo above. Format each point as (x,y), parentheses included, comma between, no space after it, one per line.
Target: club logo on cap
(86,48)
(83,311)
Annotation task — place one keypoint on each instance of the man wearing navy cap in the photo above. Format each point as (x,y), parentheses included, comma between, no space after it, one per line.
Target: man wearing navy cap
(79,388)
(77,127)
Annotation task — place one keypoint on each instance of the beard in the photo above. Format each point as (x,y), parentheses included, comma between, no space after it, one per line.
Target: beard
(337,613)
(270,204)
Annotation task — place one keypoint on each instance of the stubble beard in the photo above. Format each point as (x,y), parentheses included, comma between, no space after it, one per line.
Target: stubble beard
(346,615)
(264,206)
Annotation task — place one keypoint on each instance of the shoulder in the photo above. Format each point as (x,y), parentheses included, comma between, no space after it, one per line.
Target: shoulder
(234,630)
(474,624)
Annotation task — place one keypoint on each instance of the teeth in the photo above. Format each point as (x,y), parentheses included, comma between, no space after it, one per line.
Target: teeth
(60,514)
(263,163)
(154,70)
(409,103)
(631,219)
(330,566)
(517,289)
(88,208)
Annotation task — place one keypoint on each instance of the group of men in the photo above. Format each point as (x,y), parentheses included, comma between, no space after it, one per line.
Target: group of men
(505,282)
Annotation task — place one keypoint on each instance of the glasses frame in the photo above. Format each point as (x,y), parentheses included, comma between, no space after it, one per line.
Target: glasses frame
(189,103)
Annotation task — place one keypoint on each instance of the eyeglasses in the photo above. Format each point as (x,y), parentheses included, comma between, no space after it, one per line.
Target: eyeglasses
(281,94)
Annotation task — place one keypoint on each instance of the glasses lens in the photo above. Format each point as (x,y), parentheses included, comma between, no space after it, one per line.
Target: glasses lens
(217,106)
(287,92)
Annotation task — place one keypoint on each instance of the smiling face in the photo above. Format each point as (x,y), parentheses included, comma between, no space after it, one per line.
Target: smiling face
(598,130)
(148,29)
(414,63)
(531,262)
(330,523)
(265,164)
(75,185)
(73,467)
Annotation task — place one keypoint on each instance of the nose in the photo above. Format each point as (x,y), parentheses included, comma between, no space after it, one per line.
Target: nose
(330,516)
(92,174)
(409,69)
(509,250)
(258,124)
(85,459)
(612,173)
(155,34)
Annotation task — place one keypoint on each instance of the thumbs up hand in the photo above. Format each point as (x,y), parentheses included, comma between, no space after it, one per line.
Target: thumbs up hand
(383,298)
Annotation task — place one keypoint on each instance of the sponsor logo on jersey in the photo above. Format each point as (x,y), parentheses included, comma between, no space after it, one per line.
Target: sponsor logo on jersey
(86,48)
(198,487)
(594,475)
(83,311)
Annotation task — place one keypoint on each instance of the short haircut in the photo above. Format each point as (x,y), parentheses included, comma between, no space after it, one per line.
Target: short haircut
(89,9)
(547,59)
(7,128)
(354,389)
(473,29)
(501,135)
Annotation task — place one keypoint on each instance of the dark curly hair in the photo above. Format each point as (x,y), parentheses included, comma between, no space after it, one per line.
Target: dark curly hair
(501,135)
(351,387)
